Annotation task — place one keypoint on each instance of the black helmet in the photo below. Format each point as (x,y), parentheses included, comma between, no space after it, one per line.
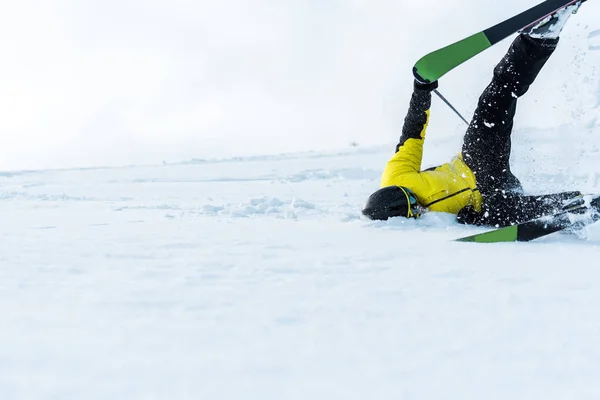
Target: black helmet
(391,201)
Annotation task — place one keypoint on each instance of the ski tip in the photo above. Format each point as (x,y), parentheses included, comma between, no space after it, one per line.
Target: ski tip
(419,78)
(501,235)
(467,239)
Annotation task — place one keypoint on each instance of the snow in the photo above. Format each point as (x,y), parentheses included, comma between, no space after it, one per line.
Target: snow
(258,278)
(225,257)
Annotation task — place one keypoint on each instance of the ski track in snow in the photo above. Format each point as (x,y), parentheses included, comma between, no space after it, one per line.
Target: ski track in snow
(594,34)
(258,278)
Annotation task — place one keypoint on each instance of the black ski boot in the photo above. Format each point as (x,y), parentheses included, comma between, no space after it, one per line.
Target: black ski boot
(551,26)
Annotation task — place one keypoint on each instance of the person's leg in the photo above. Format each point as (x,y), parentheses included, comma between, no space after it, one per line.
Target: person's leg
(505,208)
(487,143)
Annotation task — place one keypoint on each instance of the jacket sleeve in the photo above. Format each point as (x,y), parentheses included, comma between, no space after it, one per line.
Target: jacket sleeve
(409,151)
(505,208)
(417,118)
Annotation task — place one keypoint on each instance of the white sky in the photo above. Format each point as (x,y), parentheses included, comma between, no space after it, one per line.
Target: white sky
(130,81)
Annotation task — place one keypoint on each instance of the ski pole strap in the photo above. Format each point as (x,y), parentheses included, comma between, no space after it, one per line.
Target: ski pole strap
(450,105)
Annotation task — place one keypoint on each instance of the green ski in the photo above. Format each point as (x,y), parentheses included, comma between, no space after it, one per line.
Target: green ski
(436,64)
(537,228)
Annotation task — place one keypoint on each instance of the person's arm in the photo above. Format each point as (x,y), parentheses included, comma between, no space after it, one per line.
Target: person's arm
(409,151)
(417,118)
(505,208)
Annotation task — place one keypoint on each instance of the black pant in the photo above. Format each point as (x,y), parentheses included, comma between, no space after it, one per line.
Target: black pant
(486,146)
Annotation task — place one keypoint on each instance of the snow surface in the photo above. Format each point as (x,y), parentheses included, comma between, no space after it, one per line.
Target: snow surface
(255,276)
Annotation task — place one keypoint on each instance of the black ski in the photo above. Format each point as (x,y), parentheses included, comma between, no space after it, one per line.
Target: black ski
(436,64)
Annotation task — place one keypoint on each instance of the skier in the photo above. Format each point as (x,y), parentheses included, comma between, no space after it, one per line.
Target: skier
(477,185)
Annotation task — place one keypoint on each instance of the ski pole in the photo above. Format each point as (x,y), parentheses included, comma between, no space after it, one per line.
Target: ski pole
(450,105)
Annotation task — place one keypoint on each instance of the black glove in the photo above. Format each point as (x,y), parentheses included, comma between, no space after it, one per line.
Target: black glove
(429,87)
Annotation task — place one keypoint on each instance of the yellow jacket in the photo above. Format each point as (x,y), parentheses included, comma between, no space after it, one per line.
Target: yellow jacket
(447,188)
